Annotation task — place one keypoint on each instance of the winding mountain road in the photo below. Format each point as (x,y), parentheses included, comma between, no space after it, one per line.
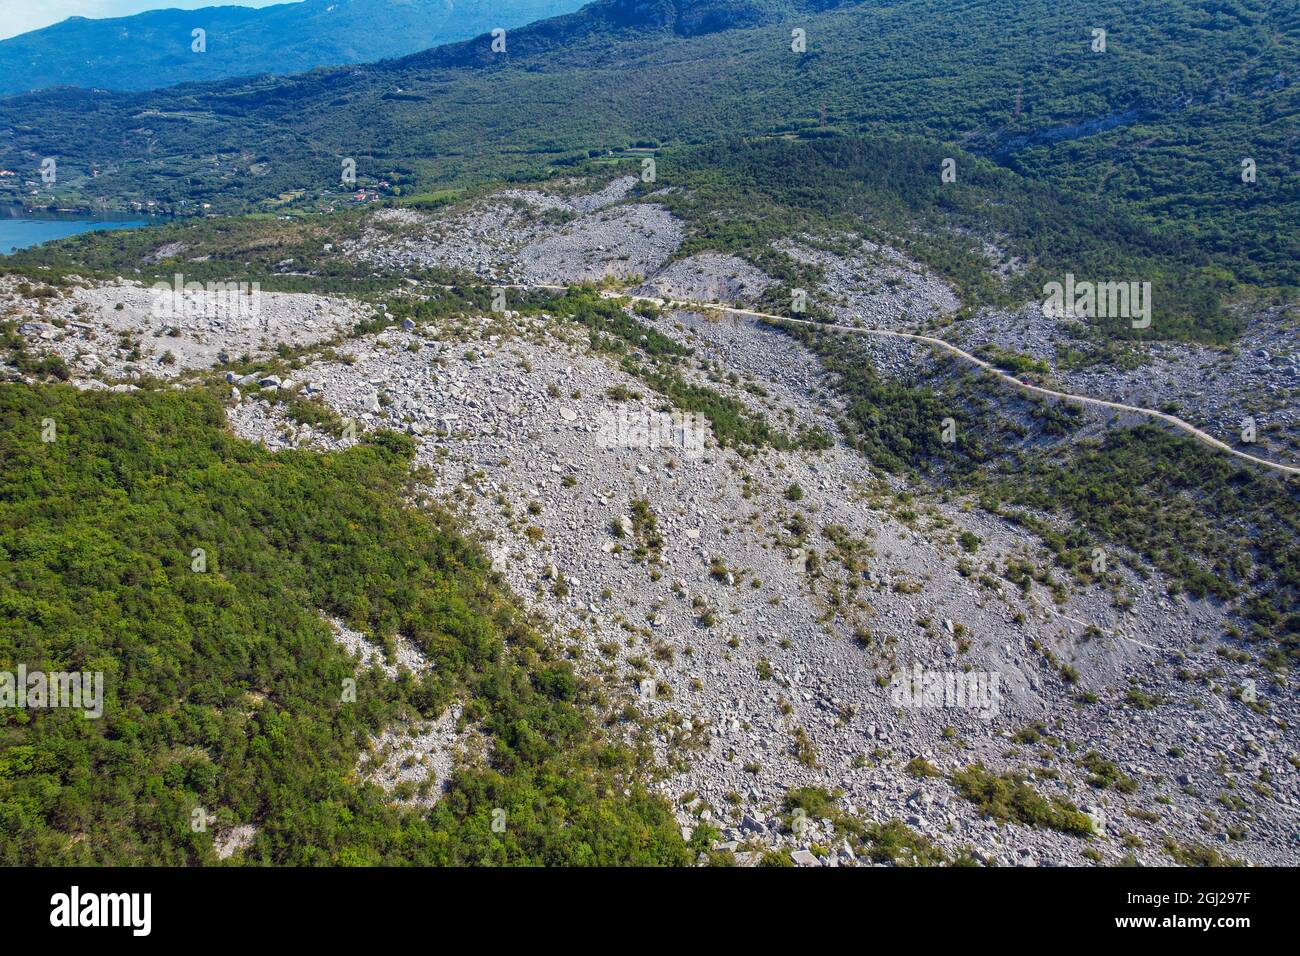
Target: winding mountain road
(1205,439)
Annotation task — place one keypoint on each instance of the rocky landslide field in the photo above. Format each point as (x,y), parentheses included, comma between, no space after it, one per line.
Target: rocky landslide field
(752,614)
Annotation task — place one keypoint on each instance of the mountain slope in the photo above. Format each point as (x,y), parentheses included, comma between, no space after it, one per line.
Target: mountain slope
(222,689)
(1158,124)
(154,49)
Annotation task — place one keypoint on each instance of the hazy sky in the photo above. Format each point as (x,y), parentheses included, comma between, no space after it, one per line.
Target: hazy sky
(19,16)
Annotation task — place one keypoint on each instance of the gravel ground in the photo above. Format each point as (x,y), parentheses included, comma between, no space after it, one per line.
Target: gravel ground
(1216,389)
(732,674)
(625,241)
(708,277)
(123,332)
(524,235)
(876,287)
(760,632)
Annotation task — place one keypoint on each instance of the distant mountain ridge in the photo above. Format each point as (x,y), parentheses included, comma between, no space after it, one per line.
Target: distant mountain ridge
(1155,125)
(155,49)
(619,18)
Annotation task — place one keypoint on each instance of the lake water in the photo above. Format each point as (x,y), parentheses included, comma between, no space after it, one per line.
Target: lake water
(20,232)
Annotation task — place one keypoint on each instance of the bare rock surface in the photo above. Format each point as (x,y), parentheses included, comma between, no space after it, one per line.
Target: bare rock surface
(129,330)
(760,612)
(628,240)
(875,286)
(1250,389)
(760,675)
(707,277)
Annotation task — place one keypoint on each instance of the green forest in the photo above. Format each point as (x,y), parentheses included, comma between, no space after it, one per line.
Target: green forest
(1158,123)
(744,195)
(1169,156)
(224,687)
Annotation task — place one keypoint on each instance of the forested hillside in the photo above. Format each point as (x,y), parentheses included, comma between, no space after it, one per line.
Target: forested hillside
(743,195)
(224,689)
(158,47)
(1199,86)
(695,314)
